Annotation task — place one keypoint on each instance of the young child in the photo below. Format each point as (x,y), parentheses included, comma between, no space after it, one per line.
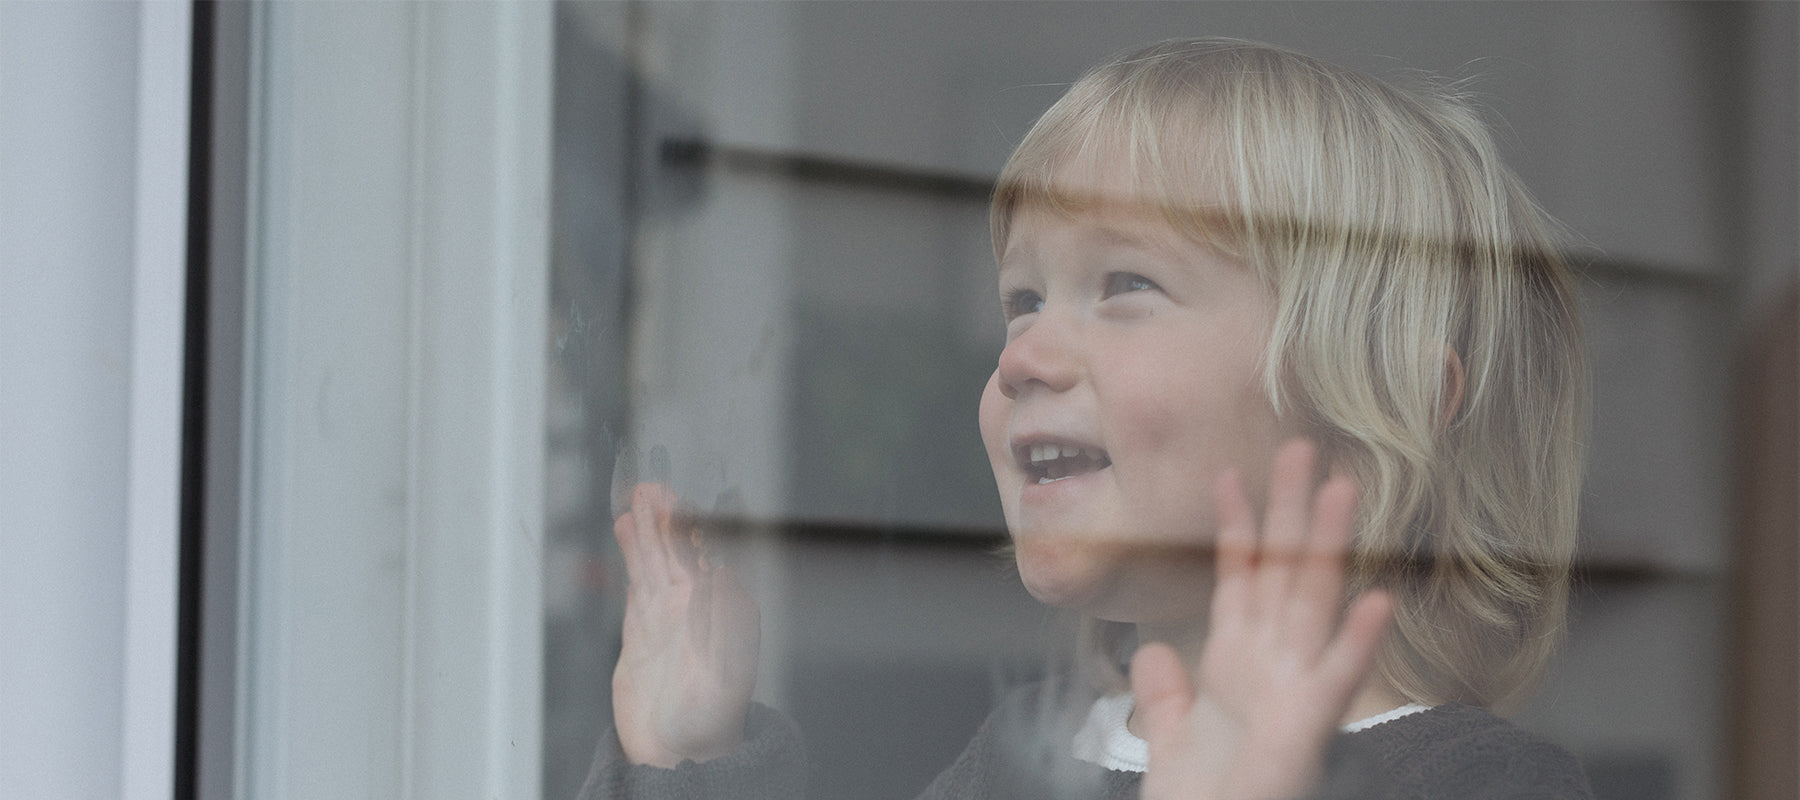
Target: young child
(1235,279)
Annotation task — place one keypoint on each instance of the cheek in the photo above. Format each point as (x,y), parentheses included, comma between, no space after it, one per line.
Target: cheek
(1175,420)
(994,413)
(1179,432)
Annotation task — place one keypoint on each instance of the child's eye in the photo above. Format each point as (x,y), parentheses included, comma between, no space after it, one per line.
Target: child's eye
(1019,302)
(1122,282)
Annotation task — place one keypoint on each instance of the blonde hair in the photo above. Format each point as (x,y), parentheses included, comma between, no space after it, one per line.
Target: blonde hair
(1398,247)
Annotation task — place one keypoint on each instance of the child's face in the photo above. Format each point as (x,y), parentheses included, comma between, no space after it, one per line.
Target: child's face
(1130,381)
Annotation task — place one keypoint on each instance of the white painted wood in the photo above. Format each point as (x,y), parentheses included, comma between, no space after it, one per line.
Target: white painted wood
(69,129)
(153,489)
(393,633)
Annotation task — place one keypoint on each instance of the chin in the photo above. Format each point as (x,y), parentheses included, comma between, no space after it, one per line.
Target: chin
(1115,582)
(1061,574)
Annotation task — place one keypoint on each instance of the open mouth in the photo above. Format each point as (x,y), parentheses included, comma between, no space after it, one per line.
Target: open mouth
(1048,462)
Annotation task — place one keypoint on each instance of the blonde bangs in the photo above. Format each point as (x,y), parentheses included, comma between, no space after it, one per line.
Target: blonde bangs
(1114,141)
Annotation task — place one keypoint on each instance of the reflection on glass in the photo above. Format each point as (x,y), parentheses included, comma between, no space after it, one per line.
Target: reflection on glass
(777,337)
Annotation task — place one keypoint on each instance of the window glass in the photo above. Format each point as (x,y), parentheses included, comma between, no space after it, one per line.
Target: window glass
(772,289)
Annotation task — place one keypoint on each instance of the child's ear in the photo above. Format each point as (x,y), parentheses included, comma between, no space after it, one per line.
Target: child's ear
(1450,402)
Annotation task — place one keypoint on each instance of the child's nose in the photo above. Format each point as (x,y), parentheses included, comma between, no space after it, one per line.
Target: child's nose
(1043,355)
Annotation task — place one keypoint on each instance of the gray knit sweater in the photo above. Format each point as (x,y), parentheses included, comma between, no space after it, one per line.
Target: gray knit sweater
(1452,752)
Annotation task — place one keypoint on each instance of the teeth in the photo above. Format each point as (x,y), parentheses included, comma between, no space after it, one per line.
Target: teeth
(1046,455)
(1041,453)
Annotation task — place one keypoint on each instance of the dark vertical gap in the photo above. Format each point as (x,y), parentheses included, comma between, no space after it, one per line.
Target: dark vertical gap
(193,408)
(228,205)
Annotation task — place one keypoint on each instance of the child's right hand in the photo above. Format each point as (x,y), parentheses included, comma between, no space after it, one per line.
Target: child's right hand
(682,687)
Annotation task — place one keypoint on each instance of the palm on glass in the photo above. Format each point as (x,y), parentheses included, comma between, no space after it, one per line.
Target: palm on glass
(1282,659)
(687,666)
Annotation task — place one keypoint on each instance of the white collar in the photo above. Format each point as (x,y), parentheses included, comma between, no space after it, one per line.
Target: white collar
(1103,738)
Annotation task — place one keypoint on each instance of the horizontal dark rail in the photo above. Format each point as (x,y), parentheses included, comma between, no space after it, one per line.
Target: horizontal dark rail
(693,153)
(1588,572)
(1606,270)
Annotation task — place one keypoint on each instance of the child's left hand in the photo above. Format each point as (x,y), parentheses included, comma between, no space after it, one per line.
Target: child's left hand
(1279,668)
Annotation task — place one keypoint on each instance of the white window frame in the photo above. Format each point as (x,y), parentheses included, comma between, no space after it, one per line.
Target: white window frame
(389,638)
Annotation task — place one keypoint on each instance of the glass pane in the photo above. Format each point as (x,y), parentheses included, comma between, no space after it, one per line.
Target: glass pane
(774,290)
